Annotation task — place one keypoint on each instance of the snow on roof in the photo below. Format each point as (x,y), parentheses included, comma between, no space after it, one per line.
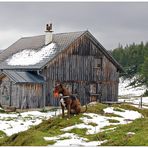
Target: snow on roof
(32,57)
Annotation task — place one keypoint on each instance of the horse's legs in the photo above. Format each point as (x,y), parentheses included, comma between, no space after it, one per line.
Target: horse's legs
(68,110)
(62,110)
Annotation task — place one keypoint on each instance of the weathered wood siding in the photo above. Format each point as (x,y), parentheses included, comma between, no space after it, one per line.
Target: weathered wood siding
(79,67)
(5,91)
(110,81)
(20,95)
(27,95)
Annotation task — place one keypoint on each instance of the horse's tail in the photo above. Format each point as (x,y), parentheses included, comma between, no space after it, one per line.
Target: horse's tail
(85,109)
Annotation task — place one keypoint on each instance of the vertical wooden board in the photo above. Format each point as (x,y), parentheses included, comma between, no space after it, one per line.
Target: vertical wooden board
(104,92)
(13,98)
(78,65)
(18,95)
(75,68)
(5,91)
(85,69)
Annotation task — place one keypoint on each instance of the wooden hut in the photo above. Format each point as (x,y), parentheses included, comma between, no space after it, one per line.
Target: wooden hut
(78,60)
(21,89)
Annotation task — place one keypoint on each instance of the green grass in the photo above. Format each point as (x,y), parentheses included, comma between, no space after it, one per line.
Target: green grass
(118,109)
(119,137)
(111,115)
(2,134)
(78,131)
(34,136)
(113,121)
(2,111)
(92,124)
(8,119)
(97,108)
(144,112)
(48,128)
(52,127)
(109,126)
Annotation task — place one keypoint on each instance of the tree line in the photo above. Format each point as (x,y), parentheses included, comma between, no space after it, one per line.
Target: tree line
(134,59)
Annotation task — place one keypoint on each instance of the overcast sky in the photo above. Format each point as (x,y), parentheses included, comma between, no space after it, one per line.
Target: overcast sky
(110,22)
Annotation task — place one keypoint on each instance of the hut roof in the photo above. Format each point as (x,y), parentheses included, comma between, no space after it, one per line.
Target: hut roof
(23,77)
(37,43)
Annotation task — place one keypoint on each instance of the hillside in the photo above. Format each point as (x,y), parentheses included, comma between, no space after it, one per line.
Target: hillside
(122,124)
(134,59)
(100,125)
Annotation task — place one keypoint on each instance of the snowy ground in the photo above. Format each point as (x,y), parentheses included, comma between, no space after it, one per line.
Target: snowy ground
(131,94)
(100,121)
(14,122)
(93,123)
(130,91)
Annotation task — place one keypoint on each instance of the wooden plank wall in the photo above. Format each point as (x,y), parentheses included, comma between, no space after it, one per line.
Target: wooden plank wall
(20,95)
(110,83)
(27,95)
(81,65)
(5,91)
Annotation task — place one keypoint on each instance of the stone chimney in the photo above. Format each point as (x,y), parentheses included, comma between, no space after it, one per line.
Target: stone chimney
(48,34)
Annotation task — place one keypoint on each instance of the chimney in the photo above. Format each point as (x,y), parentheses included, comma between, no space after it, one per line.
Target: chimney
(48,34)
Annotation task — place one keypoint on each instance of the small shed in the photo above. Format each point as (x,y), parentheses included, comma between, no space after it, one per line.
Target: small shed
(21,89)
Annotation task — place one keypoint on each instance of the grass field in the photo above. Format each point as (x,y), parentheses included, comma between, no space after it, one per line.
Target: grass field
(134,133)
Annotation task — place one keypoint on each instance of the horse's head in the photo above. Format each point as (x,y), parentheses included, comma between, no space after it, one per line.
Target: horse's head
(58,90)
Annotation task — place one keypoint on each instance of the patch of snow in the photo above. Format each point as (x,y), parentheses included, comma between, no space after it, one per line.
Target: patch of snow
(80,126)
(31,57)
(93,103)
(4,115)
(127,115)
(132,94)
(138,106)
(126,90)
(14,123)
(38,114)
(100,121)
(136,101)
(109,129)
(73,140)
(130,133)
(1,108)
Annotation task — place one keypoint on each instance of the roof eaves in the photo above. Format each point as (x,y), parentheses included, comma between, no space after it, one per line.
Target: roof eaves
(9,75)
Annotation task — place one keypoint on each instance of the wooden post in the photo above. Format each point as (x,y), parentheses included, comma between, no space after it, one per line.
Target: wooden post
(44,94)
(141,102)
(10,93)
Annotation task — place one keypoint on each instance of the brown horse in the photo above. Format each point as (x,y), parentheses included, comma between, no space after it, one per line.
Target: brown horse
(67,100)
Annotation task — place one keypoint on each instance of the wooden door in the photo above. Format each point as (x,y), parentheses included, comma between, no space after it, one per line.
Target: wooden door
(93,91)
